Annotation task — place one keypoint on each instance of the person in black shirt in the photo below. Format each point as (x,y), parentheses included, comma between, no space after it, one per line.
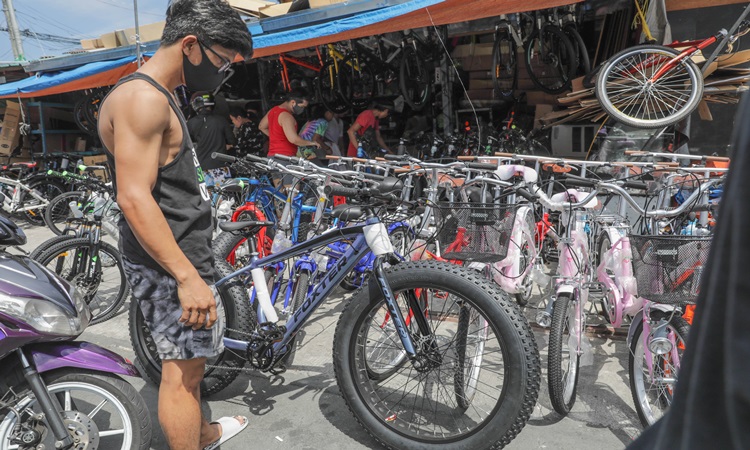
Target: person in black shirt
(211,133)
(248,138)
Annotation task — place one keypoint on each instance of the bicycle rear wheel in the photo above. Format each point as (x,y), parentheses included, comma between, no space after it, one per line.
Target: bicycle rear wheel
(626,92)
(504,67)
(361,87)
(106,289)
(48,189)
(414,79)
(653,389)
(563,359)
(550,59)
(417,408)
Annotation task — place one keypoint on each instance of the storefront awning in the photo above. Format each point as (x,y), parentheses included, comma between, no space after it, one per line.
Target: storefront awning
(404,16)
(87,76)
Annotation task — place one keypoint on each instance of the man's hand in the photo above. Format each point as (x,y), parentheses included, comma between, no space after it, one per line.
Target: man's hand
(198,303)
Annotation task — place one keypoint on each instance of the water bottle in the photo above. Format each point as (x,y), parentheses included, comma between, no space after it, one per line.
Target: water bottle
(77,213)
(280,243)
(361,151)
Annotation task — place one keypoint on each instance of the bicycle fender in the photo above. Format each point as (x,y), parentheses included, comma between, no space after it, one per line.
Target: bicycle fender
(305,264)
(81,355)
(631,329)
(566,289)
(393,226)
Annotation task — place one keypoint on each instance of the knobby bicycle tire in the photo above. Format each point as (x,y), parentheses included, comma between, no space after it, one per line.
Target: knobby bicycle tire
(504,66)
(239,316)
(639,377)
(58,211)
(627,94)
(414,79)
(555,67)
(514,343)
(76,250)
(562,383)
(362,81)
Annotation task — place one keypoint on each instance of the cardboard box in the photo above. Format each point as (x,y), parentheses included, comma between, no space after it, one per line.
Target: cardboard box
(482,57)
(480,84)
(274,10)
(480,75)
(481,94)
(109,40)
(122,38)
(324,3)
(149,32)
(9,134)
(80,145)
(97,160)
(89,44)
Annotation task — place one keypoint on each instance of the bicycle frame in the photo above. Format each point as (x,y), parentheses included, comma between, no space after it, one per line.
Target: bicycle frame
(331,280)
(11,205)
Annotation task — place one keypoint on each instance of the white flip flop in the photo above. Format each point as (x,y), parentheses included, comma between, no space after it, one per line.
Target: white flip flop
(230,427)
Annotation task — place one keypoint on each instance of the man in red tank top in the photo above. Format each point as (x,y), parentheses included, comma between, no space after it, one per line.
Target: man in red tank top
(281,127)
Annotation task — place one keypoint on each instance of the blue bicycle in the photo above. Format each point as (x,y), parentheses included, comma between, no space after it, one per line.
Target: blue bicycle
(470,374)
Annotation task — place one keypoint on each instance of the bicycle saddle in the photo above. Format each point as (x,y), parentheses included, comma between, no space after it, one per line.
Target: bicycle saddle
(347,213)
(247,226)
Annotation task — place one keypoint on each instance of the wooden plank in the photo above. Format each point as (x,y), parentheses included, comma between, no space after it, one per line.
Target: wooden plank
(704,111)
(679,5)
(734,59)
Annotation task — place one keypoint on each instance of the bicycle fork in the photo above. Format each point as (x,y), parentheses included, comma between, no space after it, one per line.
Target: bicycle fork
(420,359)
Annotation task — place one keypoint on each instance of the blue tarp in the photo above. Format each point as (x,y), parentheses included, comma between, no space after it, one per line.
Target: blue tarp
(335,26)
(52,79)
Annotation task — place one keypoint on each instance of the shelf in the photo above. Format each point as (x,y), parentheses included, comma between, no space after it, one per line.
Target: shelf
(57,132)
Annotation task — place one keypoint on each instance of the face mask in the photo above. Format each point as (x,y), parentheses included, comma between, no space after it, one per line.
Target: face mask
(203,77)
(297,109)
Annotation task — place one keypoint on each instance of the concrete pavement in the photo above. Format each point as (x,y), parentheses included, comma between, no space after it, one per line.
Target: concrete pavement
(302,408)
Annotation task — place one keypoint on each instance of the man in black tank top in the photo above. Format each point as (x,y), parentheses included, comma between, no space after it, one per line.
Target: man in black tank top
(166,232)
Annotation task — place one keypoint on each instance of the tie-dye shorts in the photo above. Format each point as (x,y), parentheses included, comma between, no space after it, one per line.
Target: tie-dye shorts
(156,294)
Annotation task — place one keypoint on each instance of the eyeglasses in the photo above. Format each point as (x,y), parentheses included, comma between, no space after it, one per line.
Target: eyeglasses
(225,63)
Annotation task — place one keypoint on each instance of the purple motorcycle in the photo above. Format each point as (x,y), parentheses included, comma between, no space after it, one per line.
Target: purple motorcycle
(57,393)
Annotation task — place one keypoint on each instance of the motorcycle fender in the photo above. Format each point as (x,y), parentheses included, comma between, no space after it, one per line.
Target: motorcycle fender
(637,318)
(79,354)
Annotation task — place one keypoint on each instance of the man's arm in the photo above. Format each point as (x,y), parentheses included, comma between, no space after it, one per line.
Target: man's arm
(356,126)
(139,122)
(263,125)
(381,142)
(287,124)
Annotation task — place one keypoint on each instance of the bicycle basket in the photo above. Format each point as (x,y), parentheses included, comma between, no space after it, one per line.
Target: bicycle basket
(668,268)
(483,230)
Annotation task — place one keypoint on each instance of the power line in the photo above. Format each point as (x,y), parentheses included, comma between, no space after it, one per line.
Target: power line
(104,2)
(41,22)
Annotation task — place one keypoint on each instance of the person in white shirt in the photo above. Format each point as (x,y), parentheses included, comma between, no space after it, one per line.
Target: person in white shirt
(334,136)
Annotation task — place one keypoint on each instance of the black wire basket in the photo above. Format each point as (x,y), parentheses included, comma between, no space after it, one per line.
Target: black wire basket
(486,229)
(668,269)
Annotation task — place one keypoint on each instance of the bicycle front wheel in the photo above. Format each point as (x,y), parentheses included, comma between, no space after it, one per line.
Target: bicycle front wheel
(563,359)
(628,92)
(504,67)
(550,59)
(417,408)
(653,387)
(58,213)
(100,277)
(414,79)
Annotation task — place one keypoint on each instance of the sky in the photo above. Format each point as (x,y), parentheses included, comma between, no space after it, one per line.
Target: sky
(79,19)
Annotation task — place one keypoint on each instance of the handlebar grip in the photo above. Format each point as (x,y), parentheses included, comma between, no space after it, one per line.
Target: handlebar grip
(573,180)
(481,166)
(636,185)
(393,157)
(284,158)
(222,157)
(255,158)
(526,194)
(341,191)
